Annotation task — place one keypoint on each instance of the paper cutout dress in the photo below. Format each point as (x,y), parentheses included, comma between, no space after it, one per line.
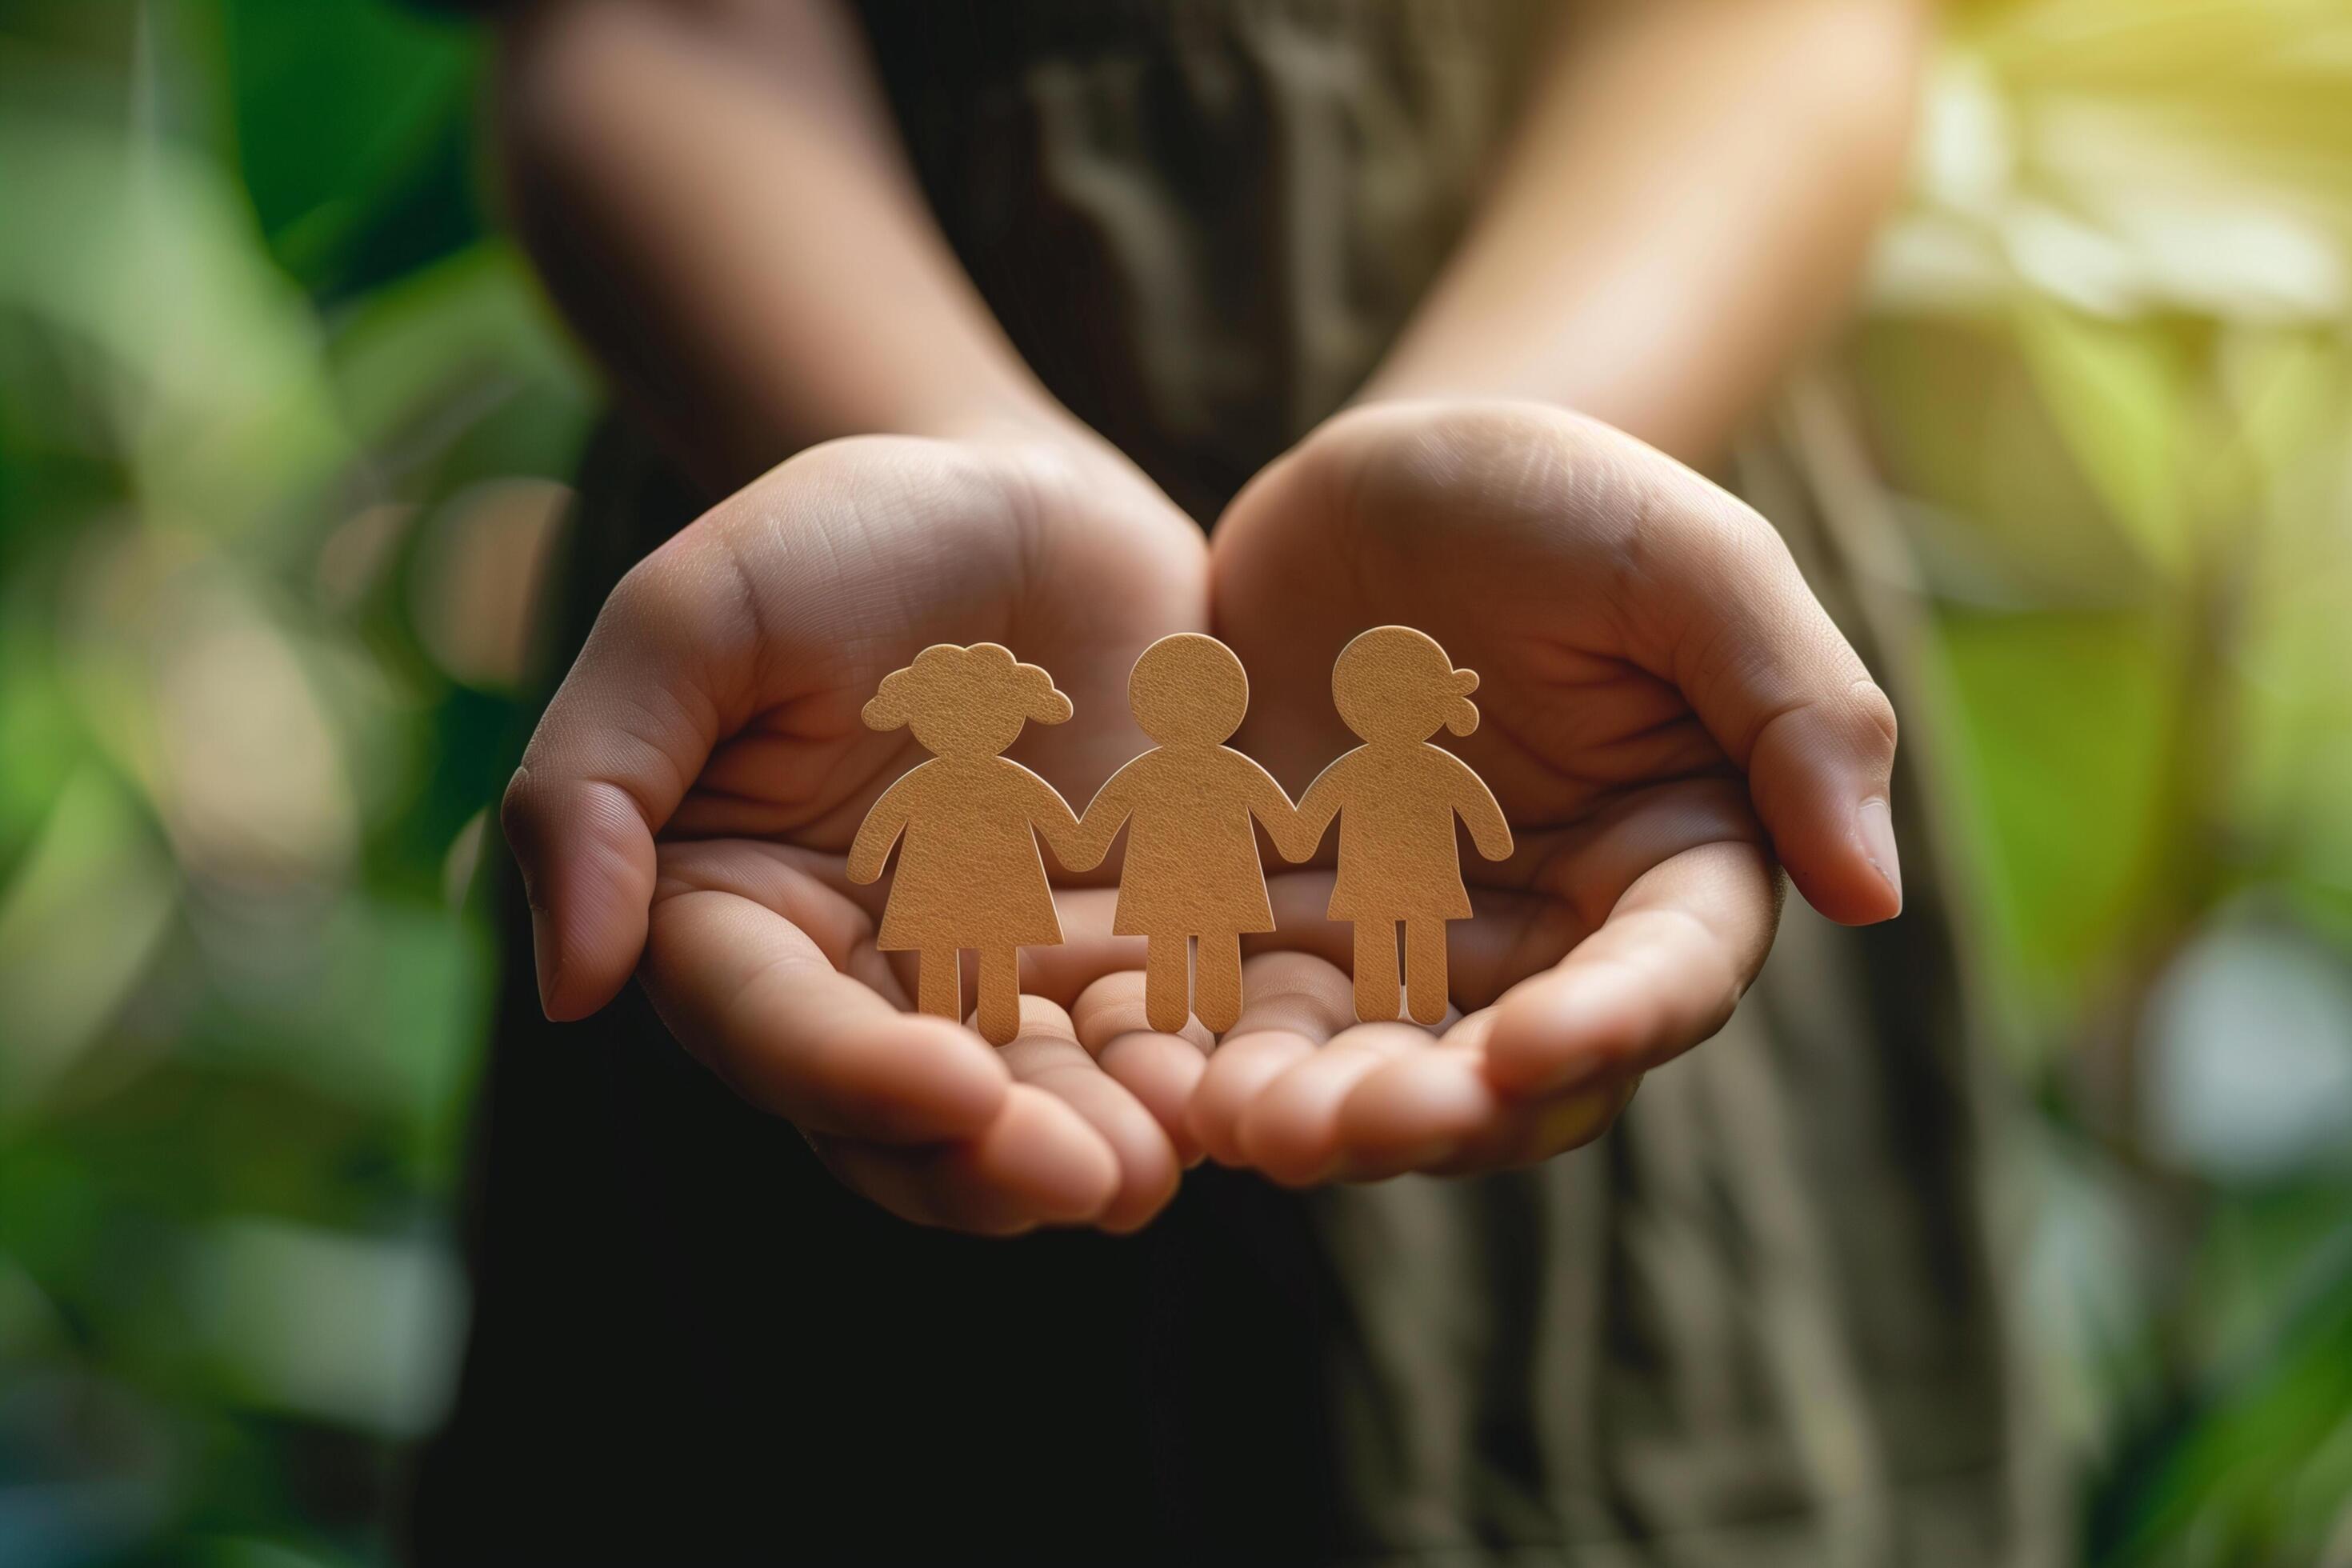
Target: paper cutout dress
(1396,797)
(1192,870)
(969,873)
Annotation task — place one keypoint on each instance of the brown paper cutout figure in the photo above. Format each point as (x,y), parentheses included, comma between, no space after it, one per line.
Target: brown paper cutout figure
(1192,870)
(969,874)
(1397,796)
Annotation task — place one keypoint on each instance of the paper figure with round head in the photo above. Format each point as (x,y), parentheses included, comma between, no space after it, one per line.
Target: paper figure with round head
(1396,797)
(1191,873)
(970,875)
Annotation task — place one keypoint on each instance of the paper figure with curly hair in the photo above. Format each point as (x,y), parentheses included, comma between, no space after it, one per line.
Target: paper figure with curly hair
(970,875)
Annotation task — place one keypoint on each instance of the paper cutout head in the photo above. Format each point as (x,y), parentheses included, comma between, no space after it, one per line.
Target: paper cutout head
(1394,683)
(1188,689)
(966,701)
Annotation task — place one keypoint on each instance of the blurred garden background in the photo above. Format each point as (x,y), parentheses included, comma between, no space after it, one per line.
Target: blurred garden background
(284,430)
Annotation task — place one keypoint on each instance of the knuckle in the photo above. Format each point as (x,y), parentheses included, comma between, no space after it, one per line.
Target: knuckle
(650,594)
(1672,542)
(522,808)
(1873,718)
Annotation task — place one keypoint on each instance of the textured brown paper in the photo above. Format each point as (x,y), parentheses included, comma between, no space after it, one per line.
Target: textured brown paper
(1396,797)
(968,874)
(1192,871)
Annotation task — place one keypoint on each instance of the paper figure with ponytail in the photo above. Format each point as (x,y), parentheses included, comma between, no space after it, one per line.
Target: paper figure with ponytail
(970,875)
(1396,797)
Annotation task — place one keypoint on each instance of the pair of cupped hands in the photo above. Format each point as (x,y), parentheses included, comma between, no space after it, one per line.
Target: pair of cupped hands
(1668,719)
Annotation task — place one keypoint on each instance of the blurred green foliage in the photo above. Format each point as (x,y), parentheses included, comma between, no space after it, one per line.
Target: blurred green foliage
(281,426)
(2108,383)
(282,432)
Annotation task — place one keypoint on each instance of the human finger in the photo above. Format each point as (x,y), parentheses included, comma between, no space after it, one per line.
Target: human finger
(1663,973)
(755,998)
(1772,679)
(1291,1002)
(1290,1129)
(1416,1112)
(1038,1163)
(1160,1070)
(1527,1132)
(1046,1055)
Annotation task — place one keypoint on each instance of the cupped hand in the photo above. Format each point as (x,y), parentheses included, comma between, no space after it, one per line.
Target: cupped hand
(684,810)
(1666,714)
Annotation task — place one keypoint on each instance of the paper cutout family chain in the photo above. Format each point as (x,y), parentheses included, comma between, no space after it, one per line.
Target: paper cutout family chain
(970,875)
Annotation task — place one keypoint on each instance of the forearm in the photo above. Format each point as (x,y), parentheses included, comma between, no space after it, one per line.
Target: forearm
(1687,204)
(720,205)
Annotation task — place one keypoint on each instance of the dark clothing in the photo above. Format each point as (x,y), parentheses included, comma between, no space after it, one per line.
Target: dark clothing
(1755,1324)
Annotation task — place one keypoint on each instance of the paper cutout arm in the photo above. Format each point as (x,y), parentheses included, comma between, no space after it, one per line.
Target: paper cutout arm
(1489,829)
(1272,806)
(1105,815)
(1312,817)
(1059,825)
(879,831)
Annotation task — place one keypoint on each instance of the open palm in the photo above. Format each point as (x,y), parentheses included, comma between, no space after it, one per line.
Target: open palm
(1658,688)
(690,796)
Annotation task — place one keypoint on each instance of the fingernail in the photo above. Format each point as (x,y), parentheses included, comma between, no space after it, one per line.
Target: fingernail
(1874,823)
(1435,1152)
(1572,1074)
(1548,1074)
(545,960)
(1577,1119)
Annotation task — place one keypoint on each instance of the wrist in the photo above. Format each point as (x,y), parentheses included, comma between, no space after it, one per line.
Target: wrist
(1052,446)
(1017,418)
(1023,432)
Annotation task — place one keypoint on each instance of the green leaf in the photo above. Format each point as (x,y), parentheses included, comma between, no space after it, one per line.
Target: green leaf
(354,134)
(2119,394)
(2067,728)
(79,922)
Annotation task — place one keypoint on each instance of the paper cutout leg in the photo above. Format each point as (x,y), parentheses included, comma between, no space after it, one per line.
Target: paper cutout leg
(939,982)
(1376,971)
(1000,994)
(1217,982)
(1424,970)
(1166,962)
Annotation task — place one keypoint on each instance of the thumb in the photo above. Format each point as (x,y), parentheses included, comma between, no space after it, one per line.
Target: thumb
(1784,694)
(625,735)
